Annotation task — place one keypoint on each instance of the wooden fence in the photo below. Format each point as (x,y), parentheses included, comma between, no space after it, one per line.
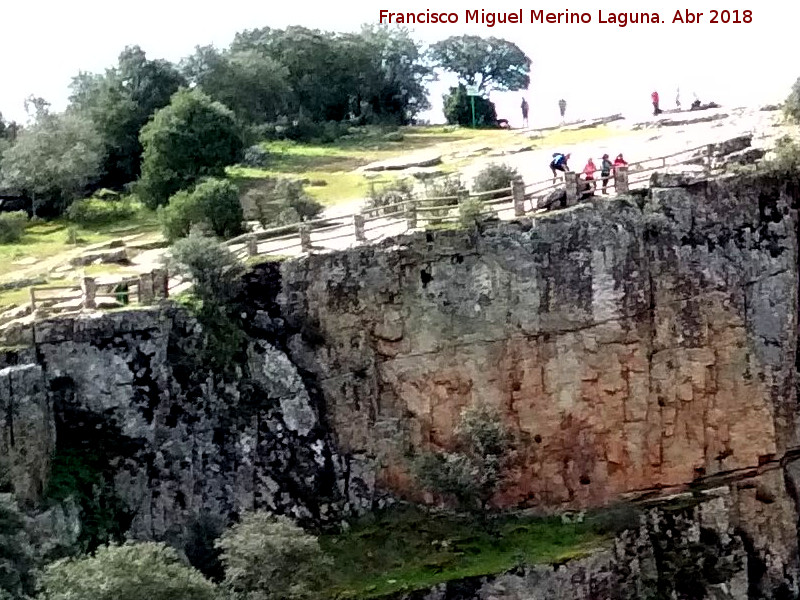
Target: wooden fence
(369,225)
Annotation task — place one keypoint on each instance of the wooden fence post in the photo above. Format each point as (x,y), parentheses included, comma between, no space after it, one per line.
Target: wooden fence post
(145,288)
(89,289)
(33,300)
(411,215)
(621,179)
(518,194)
(571,179)
(305,237)
(160,283)
(252,245)
(358,227)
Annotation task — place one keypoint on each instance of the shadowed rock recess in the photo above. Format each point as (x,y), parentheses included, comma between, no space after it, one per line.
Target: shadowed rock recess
(633,344)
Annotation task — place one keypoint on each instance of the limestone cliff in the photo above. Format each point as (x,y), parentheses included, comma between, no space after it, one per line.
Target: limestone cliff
(633,344)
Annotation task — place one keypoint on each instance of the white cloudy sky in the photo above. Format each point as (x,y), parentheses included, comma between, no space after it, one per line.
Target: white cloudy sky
(597,68)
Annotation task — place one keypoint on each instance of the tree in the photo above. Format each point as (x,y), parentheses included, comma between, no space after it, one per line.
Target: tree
(213,204)
(791,106)
(269,557)
(489,63)
(217,278)
(53,161)
(458,109)
(129,572)
(253,86)
(191,138)
(473,472)
(119,102)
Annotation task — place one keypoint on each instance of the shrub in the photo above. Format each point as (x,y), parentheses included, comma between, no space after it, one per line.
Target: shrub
(495,177)
(473,472)
(396,191)
(281,202)
(256,156)
(792,105)
(442,192)
(100,210)
(269,557)
(12,226)
(471,212)
(213,205)
(217,277)
(129,572)
(786,159)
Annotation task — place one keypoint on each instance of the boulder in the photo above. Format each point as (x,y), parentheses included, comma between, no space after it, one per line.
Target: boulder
(95,257)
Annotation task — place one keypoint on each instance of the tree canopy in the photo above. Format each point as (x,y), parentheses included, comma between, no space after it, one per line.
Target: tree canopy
(53,161)
(119,102)
(191,138)
(489,63)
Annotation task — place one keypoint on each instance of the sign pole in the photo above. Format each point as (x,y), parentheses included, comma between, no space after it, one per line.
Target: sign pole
(473,111)
(472,91)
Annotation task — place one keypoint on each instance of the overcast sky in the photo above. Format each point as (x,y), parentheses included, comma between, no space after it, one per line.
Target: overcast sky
(598,68)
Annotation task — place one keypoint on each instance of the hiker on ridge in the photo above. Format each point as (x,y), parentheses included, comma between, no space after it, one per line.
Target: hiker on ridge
(562,107)
(656,109)
(559,163)
(605,171)
(524,107)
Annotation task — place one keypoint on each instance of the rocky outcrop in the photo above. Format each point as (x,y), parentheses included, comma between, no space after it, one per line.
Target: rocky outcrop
(177,443)
(630,344)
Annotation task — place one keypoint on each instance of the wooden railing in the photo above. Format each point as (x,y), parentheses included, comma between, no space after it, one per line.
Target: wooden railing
(368,225)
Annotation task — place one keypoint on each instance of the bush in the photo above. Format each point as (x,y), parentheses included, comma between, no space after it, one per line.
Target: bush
(474,471)
(786,160)
(129,572)
(99,210)
(269,557)
(792,105)
(12,226)
(217,277)
(442,192)
(471,212)
(458,109)
(396,191)
(213,206)
(281,201)
(256,157)
(495,177)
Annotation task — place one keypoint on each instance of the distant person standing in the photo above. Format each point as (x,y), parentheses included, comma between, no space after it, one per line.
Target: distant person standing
(656,109)
(605,172)
(562,107)
(588,172)
(524,107)
(678,99)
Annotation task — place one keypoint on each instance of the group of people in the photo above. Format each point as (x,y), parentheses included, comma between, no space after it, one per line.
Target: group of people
(607,168)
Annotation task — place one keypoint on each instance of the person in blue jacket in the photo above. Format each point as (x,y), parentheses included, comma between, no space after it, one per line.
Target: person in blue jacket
(559,163)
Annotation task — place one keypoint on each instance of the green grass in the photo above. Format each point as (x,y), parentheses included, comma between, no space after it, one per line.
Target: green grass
(406,549)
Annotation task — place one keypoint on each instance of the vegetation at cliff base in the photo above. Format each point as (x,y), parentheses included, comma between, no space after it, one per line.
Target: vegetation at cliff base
(406,548)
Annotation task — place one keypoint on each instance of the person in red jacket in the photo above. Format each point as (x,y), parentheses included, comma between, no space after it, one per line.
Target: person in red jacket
(656,109)
(620,162)
(588,172)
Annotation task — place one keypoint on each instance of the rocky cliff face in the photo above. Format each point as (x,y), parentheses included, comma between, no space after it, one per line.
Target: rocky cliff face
(632,344)
(176,445)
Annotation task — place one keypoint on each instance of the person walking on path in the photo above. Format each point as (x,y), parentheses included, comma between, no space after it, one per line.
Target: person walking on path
(588,172)
(605,172)
(559,163)
(656,109)
(524,107)
(562,107)
(678,99)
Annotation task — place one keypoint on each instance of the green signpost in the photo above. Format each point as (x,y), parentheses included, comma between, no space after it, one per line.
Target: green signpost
(472,91)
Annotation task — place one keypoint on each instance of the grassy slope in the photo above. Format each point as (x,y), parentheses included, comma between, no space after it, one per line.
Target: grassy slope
(405,549)
(334,163)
